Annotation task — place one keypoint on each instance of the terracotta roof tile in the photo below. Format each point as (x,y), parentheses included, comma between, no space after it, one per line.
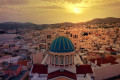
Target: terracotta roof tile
(105,60)
(83,69)
(23,62)
(40,69)
(111,50)
(62,73)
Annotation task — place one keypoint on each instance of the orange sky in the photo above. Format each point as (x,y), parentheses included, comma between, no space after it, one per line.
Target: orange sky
(57,11)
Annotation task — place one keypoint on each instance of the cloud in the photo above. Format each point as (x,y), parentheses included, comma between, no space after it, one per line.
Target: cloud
(113,4)
(107,5)
(51,7)
(57,4)
(37,10)
(70,1)
(13,2)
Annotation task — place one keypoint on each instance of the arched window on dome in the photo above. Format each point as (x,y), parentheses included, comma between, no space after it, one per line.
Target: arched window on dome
(70,60)
(56,60)
(52,59)
(62,60)
(66,60)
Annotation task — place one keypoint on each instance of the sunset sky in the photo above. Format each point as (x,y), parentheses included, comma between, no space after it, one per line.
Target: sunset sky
(57,11)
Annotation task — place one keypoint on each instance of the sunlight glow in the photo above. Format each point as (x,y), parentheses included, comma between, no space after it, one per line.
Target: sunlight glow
(76,10)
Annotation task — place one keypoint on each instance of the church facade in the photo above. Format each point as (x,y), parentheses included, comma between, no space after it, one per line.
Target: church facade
(61,63)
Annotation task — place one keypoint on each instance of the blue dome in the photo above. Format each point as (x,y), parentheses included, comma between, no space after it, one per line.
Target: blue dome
(62,45)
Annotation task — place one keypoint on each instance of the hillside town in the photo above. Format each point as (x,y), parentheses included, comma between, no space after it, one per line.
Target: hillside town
(80,52)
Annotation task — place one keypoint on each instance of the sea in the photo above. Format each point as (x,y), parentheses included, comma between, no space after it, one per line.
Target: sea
(7,37)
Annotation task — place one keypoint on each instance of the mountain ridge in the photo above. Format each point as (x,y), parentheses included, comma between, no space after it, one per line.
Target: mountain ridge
(108,20)
(16,25)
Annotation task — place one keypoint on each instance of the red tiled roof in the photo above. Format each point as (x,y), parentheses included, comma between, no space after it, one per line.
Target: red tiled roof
(111,50)
(100,61)
(23,62)
(62,73)
(83,69)
(40,69)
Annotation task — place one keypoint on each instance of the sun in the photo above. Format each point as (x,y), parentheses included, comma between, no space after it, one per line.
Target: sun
(72,8)
(76,10)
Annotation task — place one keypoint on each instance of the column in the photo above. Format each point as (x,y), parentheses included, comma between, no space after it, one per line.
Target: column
(68,59)
(72,59)
(54,60)
(50,60)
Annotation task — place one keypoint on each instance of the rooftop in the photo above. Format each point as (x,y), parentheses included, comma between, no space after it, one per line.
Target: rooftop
(40,69)
(105,60)
(83,69)
(62,73)
(111,50)
(19,76)
(24,63)
(12,67)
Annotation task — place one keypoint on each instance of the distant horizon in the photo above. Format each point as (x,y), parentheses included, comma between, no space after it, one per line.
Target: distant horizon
(57,22)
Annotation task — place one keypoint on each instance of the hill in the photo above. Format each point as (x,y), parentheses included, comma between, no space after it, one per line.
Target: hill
(28,25)
(109,20)
(16,25)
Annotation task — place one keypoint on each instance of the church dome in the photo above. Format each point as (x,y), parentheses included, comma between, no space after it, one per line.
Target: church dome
(62,45)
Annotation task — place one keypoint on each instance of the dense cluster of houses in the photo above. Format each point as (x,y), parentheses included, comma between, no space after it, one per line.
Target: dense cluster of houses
(96,54)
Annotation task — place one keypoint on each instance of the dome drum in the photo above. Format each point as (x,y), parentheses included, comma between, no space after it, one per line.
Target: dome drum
(61,59)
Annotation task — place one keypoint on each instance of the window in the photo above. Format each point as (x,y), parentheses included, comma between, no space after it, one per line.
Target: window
(75,47)
(76,36)
(11,73)
(48,36)
(48,47)
(48,43)
(62,60)
(56,60)
(53,59)
(70,35)
(70,59)
(66,59)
